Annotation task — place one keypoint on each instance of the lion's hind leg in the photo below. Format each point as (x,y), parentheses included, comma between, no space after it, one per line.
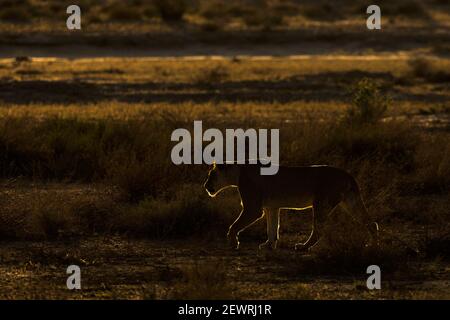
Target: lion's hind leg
(321,210)
(355,206)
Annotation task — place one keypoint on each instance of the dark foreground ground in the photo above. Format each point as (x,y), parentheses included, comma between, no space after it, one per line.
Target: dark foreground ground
(202,266)
(117,268)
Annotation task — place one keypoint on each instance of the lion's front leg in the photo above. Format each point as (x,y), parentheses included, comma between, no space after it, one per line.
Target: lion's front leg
(273,226)
(249,215)
(232,238)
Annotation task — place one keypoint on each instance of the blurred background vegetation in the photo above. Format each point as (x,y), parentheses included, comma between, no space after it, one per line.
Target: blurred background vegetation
(223,12)
(168,23)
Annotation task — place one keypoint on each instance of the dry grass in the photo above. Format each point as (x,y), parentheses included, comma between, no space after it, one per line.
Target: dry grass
(171,11)
(184,23)
(385,158)
(120,144)
(204,280)
(429,70)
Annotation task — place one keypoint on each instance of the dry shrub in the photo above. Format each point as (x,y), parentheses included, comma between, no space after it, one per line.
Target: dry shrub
(213,75)
(50,218)
(253,15)
(410,9)
(262,18)
(185,214)
(303,292)
(379,187)
(95,216)
(344,249)
(138,179)
(55,213)
(432,161)
(210,26)
(321,11)
(420,67)
(347,247)
(285,8)
(124,12)
(441,48)
(213,10)
(390,144)
(427,69)
(437,244)
(171,10)
(12,224)
(15,14)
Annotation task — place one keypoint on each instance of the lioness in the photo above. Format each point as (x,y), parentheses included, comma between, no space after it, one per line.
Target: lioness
(319,187)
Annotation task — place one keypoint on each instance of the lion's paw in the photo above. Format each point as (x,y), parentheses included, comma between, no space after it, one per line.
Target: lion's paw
(233,242)
(268,245)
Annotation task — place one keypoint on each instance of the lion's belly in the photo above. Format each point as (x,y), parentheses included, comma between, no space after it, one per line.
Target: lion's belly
(287,201)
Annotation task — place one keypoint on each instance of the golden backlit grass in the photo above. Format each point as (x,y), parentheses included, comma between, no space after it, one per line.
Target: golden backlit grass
(188,70)
(219,75)
(187,111)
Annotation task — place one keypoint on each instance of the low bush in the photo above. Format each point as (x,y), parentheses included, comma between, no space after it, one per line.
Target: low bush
(368,103)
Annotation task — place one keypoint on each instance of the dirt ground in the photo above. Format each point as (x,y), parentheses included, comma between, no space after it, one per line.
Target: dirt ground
(120,268)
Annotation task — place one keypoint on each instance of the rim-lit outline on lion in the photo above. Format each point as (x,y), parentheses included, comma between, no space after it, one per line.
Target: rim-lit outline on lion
(321,188)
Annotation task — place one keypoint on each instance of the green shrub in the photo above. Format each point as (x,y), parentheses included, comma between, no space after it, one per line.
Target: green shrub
(368,103)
